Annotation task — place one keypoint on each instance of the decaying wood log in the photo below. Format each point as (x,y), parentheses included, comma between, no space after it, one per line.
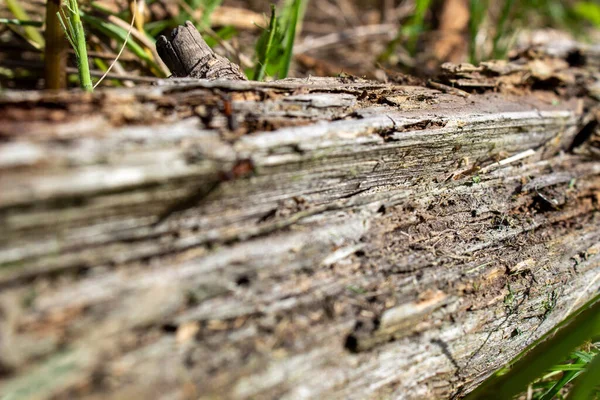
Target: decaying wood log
(305,238)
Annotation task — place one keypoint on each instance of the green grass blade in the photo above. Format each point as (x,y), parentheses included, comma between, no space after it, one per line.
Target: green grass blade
(409,32)
(71,33)
(290,37)
(421,9)
(71,7)
(263,50)
(104,10)
(390,48)
(209,7)
(119,34)
(583,356)
(83,64)
(19,22)
(30,32)
(153,28)
(477,11)
(498,52)
(416,25)
(588,10)
(568,367)
(67,33)
(225,33)
(543,355)
(188,8)
(588,383)
(561,383)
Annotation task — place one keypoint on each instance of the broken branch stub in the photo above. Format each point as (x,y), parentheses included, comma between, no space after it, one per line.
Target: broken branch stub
(188,56)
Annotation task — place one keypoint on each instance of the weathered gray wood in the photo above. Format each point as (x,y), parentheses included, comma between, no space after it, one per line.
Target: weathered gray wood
(187,55)
(327,238)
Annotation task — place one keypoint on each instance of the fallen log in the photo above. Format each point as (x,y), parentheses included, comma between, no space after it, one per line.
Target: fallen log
(304,238)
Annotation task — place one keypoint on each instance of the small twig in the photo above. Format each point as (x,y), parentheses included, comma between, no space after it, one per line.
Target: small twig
(118,68)
(509,160)
(447,89)
(120,77)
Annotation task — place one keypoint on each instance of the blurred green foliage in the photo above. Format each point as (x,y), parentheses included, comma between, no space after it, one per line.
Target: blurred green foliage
(589,11)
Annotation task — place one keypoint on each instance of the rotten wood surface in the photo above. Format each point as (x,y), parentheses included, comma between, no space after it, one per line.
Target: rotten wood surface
(306,238)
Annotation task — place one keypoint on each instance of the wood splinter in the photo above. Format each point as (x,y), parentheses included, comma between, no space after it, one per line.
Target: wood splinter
(188,56)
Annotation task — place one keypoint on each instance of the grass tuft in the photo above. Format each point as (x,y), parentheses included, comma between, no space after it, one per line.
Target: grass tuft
(409,32)
(275,46)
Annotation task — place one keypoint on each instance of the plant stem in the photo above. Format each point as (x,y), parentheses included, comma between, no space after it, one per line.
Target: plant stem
(55,60)
(82,60)
(70,20)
